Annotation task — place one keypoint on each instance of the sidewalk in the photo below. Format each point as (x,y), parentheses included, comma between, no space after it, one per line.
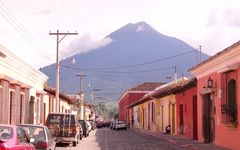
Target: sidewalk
(180,140)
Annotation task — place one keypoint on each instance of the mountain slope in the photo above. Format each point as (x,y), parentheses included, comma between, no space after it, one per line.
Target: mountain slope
(137,54)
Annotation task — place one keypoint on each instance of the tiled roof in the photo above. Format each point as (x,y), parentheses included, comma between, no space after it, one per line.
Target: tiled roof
(61,95)
(146,86)
(172,88)
(216,55)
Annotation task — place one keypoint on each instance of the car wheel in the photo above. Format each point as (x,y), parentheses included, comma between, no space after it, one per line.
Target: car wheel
(74,144)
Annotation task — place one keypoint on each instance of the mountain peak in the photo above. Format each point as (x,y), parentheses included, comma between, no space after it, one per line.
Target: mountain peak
(133,28)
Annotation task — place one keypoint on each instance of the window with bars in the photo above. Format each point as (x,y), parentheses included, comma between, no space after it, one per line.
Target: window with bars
(228,107)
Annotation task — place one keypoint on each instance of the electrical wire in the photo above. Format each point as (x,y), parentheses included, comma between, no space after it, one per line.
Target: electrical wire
(146,63)
(21,30)
(138,71)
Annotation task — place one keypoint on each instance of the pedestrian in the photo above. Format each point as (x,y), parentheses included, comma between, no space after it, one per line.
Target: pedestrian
(168,129)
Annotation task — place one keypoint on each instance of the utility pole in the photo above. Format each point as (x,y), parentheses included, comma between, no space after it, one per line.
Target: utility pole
(57,62)
(81,94)
(175,73)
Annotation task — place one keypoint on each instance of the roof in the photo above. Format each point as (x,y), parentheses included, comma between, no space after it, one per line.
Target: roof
(170,88)
(216,55)
(146,86)
(61,95)
(142,88)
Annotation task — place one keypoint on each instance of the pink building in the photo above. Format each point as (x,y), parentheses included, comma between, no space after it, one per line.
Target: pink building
(131,96)
(218,98)
(186,107)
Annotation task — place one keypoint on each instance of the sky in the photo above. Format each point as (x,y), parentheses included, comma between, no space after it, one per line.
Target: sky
(25,24)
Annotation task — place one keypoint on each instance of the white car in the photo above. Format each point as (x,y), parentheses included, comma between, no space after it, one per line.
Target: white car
(89,126)
(120,125)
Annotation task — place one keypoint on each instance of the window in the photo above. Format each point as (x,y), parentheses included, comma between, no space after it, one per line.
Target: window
(21,136)
(231,110)
(229,105)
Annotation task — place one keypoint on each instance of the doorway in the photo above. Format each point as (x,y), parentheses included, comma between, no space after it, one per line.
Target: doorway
(208,119)
(181,118)
(195,123)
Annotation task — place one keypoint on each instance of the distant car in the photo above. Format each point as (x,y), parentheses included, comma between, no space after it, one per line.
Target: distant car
(93,124)
(81,132)
(13,137)
(84,127)
(120,125)
(64,126)
(89,126)
(42,136)
(99,124)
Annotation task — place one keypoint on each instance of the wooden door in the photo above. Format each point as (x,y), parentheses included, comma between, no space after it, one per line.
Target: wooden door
(181,118)
(195,122)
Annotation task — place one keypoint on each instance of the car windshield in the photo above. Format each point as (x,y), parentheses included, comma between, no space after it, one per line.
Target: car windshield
(6,133)
(35,132)
(61,119)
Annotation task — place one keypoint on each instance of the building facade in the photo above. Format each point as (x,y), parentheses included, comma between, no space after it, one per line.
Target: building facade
(21,90)
(218,98)
(131,96)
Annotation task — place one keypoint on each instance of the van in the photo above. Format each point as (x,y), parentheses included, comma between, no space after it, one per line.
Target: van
(64,126)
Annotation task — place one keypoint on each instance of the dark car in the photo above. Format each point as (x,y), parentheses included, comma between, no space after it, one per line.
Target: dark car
(84,127)
(64,126)
(42,137)
(13,137)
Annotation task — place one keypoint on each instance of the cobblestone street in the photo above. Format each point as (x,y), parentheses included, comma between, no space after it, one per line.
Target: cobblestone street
(107,139)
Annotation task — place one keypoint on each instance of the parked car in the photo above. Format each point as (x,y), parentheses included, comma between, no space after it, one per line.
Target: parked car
(93,124)
(81,132)
(99,124)
(42,136)
(84,127)
(120,125)
(89,126)
(13,137)
(64,126)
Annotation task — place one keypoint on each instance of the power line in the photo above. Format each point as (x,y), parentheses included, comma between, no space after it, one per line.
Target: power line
(146,63)
(138,71)
(21,30)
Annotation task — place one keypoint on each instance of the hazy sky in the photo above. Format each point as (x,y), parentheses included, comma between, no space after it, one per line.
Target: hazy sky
(25,24)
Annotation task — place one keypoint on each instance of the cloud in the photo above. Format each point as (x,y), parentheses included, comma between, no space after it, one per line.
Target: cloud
(43,12)
(232,17)
(84,44)
(227,17)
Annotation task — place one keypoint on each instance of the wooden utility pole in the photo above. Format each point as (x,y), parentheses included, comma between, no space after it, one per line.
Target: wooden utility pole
(81,95)
(57,63)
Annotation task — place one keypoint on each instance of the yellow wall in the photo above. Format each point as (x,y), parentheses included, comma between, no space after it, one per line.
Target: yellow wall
(168,117)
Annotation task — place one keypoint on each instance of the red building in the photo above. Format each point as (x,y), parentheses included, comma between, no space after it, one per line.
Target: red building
(218,100)
(132,95)
(186,107)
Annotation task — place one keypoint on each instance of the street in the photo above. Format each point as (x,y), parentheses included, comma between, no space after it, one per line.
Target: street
(107,139)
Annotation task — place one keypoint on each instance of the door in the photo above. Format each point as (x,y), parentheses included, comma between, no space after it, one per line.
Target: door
(181,118)
(143,119)
(173,118)
(208,126)
(149,116)
(195,126)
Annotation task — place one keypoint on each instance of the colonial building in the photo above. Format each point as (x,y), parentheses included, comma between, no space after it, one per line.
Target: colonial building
(157,109)
(131,96)
(218,102)
(186,109)
(21,90)
(50,104)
